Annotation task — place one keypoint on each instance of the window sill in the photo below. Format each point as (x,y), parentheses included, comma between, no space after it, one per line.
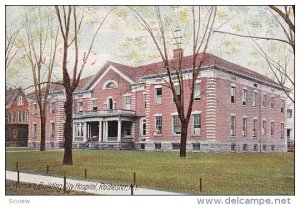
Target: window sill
(196,135)
(232,136)
(157,135)
(176,135)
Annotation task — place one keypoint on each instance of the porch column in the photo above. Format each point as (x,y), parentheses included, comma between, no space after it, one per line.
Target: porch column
(74,132)
(84,132)
(100,131)
(119,130)
(105,131)
(88,131)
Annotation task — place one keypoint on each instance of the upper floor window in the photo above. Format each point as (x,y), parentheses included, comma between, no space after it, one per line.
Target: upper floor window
(232,94)
(282,106)
(272,102)
(158,95)
(254,99)
(34,108)
(20,101)
(177,91)
(176,124)
(7,117)
(111,85)
(197,91)
(144,100)
(110,103)
(52,107)
(94,105)
(264,100)
(244,97)
(127,102)
(289,113)
(80,106)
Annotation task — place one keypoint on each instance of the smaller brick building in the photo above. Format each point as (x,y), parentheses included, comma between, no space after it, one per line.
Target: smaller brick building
(16,118)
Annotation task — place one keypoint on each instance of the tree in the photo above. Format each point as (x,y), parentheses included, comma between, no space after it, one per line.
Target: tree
(39,43)
(199,43)
(284,18)
(70,24)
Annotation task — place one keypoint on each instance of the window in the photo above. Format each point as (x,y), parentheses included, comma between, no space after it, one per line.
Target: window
(158,96)
(264,147)
(264,100)
(52,107)
(19,116)
(244,147)
(244,97)
(34,108)
(157,145)
(20,101)
(6,118)
(232,147)
(255,147)
(196,146)
(52,129)
(282,106)
(79,129)
(15,116)
(177,91)
(158,124)
(272,128)
(272,148)
(127,101)
(176,124)
(232,94)
(197,91)
(196,124)
(34,130)
(143,146)
(255,128)
(111,85)
(143,127)
(94,105)
(282,131)
(145,101)
(272,102)
(110,103)
(176,146)
(288,133)
(14,132)
(254,99)
(244,127)
(289,113)
(80,106)
(24,116)
(264,128)
(232,126)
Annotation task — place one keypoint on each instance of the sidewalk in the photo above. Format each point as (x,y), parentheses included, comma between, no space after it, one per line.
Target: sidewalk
(85,186)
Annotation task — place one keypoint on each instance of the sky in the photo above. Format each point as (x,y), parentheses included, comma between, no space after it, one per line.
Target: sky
(121,32)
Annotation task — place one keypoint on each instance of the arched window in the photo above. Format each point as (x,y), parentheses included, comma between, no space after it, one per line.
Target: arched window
(111,85)
(110,103)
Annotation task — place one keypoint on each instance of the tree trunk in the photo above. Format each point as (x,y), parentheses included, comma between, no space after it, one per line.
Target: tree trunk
(68,131)
(43,134)
(184,129)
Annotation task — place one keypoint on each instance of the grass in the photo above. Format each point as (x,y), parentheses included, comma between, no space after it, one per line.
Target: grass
(222,174)
(12,188)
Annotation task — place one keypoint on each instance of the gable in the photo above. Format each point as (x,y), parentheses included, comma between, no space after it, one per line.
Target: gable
(110,73)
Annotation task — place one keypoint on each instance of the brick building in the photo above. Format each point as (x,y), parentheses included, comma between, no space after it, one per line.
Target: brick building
(122,107)
(16,118)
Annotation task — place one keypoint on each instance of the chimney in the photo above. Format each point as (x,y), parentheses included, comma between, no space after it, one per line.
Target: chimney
(177,53)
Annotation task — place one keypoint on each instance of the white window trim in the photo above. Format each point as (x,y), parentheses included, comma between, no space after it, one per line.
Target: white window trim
(172,128)
(141,127)
(193,123)
(157,115)
(110,81)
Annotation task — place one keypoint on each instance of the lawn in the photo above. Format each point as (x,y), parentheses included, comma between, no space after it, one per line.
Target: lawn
(12,188)
(222,174)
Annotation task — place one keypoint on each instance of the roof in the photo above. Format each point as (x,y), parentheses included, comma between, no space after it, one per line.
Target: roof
(11,95)
(138,72)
